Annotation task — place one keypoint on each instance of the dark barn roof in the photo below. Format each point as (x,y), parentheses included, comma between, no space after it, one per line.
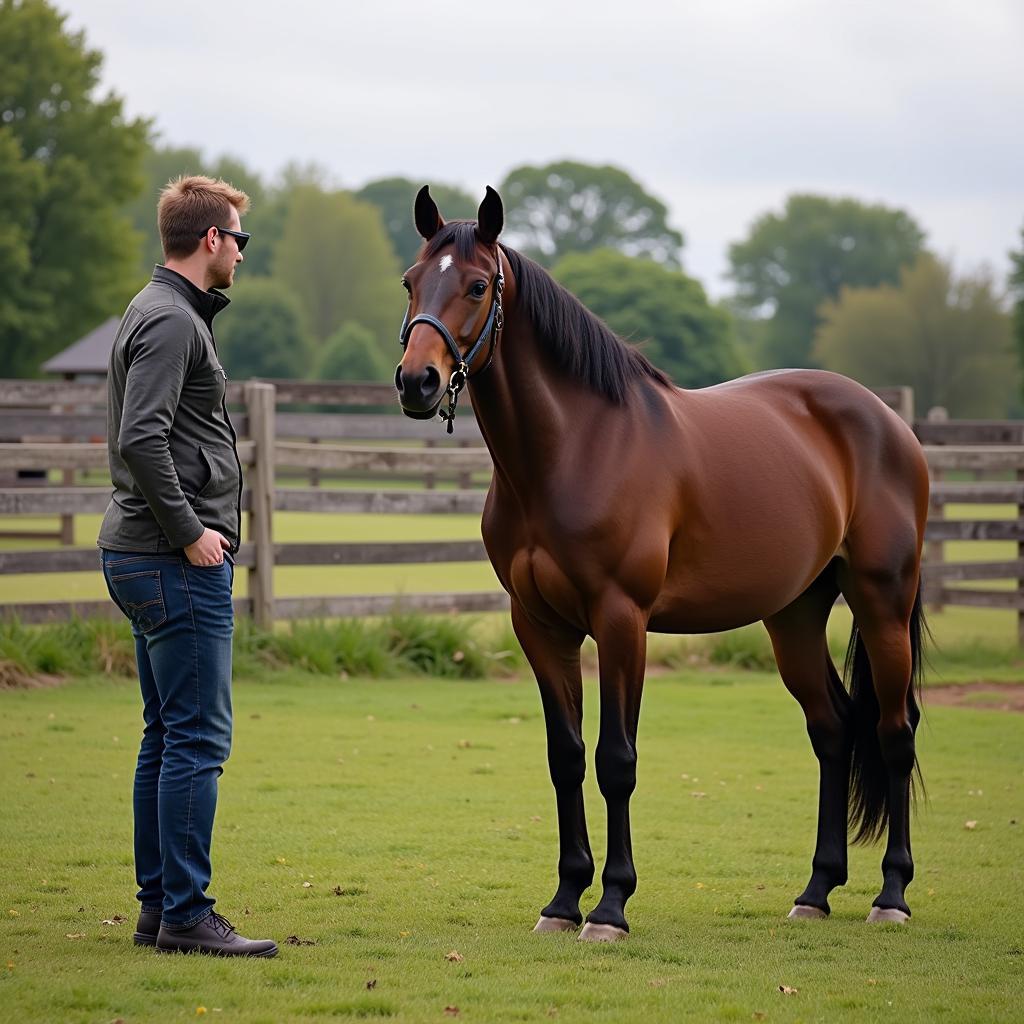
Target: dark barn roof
(89,354)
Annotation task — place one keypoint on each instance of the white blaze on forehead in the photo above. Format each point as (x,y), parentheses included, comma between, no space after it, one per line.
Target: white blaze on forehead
(446,262)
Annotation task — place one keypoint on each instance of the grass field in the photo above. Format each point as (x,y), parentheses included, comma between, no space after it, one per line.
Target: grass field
(393,823)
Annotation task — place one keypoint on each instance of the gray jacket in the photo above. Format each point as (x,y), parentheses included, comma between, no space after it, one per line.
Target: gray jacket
(173,460)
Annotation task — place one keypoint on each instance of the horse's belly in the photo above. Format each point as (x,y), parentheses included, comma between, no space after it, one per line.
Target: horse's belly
(712,587)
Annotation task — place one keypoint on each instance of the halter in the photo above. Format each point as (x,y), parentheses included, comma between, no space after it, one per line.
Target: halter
(460,375)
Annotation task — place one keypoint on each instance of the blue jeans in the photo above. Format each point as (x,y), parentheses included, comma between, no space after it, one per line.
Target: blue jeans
(182,620)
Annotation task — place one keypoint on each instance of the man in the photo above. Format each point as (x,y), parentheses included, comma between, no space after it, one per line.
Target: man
(167,542)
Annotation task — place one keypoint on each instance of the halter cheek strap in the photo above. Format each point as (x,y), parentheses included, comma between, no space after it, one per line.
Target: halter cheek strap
(460,375)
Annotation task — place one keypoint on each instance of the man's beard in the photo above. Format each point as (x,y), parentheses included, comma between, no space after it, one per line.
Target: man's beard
(222,275)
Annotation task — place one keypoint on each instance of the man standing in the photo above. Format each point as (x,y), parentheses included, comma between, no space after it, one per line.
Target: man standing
(167,542)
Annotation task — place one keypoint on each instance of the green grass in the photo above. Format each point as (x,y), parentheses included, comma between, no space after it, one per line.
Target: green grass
(426,803)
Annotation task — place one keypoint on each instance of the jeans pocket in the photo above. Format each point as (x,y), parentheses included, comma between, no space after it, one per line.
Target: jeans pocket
(141,595)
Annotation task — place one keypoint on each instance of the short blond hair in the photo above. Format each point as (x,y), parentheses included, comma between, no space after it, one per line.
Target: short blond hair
(189,205)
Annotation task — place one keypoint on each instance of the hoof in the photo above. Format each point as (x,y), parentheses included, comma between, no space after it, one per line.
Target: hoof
(602,933)
(887,914)
(555,924)
(802,912)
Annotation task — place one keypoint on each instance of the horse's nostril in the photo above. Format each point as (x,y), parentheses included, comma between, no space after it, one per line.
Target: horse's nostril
(398,379)
(431,380)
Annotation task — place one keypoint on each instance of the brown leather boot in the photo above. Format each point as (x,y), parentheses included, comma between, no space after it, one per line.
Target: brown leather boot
(214,936)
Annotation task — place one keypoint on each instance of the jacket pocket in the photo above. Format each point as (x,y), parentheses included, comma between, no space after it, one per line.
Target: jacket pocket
(209,464)
(141,597)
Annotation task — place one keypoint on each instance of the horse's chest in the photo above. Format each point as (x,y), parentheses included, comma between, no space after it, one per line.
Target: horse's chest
(543,588)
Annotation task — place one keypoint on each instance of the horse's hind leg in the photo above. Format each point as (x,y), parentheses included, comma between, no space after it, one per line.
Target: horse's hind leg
(801,652)
(554,656)
(886,608)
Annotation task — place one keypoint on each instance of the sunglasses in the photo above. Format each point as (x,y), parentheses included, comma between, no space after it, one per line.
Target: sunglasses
(242,237)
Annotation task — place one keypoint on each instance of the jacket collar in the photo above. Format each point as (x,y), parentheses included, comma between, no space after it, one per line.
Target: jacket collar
(206,304)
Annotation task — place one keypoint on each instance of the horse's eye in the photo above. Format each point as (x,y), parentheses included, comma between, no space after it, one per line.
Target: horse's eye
(479,290)
(405,285)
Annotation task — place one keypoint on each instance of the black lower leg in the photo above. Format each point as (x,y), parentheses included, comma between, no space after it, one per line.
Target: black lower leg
(829,865)
(575,861)
(616,775)
(897,863)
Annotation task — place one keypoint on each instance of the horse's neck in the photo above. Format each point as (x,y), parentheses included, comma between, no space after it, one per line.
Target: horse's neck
(522,406)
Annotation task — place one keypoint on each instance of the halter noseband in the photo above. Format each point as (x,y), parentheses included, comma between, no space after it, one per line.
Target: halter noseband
(460,375)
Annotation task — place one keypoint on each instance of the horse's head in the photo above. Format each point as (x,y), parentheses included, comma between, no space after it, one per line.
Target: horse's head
(454,317)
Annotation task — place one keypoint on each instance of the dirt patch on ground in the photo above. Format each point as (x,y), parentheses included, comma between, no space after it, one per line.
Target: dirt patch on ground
(14,678)
(980,696)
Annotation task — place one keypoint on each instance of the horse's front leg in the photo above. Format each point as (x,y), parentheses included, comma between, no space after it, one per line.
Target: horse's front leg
(554,656)
(620,630)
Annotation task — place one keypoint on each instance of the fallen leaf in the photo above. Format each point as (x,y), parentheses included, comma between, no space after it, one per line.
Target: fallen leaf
(372,983)
(787,991)
(698,794)
(451,1011)
(371,718)
(872,981)
(759,1015)
(454,957)
(658,983)
(970,825)
(76,935)
(116,919)
(200,1010)
(294,940)
(307,885)
(13,913)
(404,935)
(463,745)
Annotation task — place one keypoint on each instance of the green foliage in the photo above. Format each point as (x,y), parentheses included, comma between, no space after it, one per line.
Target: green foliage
(570,207)
(353,353)
(667,311)
(1017,289)
(337,258)
(792,262)
(949,339)
(394,198)
(68,163)
(165,163)
(262,333)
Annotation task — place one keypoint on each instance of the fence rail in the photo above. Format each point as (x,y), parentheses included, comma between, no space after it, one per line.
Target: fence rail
(282,444)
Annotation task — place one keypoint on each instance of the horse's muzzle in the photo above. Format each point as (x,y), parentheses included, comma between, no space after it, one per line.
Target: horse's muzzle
(419,394)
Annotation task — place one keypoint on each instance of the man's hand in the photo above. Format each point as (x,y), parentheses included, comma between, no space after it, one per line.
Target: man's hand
(208,550)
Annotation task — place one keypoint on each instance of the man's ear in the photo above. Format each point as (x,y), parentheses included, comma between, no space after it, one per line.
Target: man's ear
(490,218)
(428,218)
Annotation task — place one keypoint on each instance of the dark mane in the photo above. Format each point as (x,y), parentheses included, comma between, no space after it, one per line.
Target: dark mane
(581,343)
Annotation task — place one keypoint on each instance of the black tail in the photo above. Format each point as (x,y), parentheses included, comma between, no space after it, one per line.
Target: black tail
(869,780)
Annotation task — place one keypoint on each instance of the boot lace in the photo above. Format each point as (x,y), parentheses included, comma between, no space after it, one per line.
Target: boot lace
(221,924)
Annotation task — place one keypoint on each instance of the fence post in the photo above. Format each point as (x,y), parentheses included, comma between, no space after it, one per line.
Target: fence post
(260,401)
(1020,572)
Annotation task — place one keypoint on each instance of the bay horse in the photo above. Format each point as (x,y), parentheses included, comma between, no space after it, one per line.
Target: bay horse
(620,504)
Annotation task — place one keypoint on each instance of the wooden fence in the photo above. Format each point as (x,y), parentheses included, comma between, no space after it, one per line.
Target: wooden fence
(281,445)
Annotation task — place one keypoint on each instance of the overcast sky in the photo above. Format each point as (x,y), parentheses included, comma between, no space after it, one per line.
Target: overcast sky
(719,107)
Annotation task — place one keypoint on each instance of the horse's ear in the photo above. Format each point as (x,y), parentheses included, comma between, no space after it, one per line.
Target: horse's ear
(490,218)
(428,218)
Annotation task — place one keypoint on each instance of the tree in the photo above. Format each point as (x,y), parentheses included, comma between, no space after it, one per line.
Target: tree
(572,207)
(949,339)
(337,259)
(68,163)
(165,163)
(790,263)
(353,353)
(394,198)
(262,333)
(1017,289)
(664,310)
